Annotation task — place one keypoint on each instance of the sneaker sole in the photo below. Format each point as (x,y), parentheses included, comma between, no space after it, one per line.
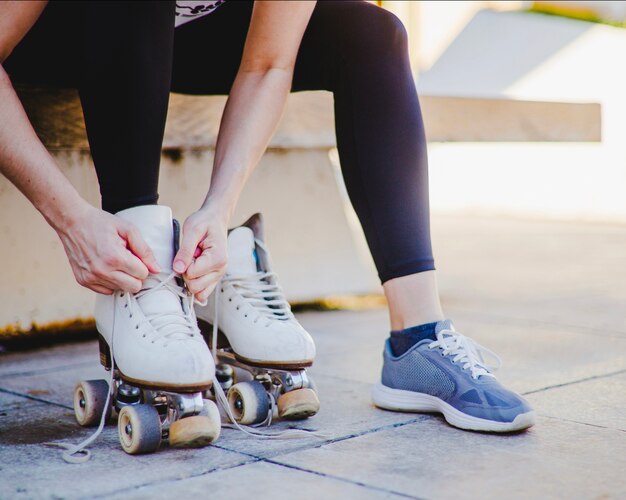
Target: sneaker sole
(399,400)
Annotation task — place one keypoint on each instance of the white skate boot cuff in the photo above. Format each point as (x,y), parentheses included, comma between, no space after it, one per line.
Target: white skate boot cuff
(241,247)
(155,225)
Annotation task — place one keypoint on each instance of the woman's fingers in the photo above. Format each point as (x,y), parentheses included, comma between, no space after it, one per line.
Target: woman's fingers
(203,286)
(139,247)
(204,273)
(211,260)
(101,289)
(133,266)
(192,235)
(122,281)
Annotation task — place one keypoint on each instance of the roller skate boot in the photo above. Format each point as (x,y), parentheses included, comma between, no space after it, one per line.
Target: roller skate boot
(262,351)
(150,342)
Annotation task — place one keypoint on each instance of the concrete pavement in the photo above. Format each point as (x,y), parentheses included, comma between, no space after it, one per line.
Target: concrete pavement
(547,297)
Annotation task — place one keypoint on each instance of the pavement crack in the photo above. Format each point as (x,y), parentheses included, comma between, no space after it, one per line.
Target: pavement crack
(573,382)
(342,479)
(35,398)
(324,442)
(171,480)
(597,426)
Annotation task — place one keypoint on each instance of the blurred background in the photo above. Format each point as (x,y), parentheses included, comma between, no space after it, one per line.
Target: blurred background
(525,116)
(526,51)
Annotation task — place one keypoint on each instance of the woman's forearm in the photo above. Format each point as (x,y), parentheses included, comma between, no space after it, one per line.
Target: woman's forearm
(252,113)
(27,164)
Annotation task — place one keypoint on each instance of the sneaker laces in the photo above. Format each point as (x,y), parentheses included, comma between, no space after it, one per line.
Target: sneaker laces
(464,350)
(78,453)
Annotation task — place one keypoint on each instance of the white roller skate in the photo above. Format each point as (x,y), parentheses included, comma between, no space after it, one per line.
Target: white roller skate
(160,363)
(261,349)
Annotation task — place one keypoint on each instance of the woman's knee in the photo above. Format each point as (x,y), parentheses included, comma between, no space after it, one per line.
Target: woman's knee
(372,30)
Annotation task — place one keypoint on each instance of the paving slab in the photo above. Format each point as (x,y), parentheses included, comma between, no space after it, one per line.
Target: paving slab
(31,470)
(48,358)
(346,411)
(429,459)
(538,357)
(567,274)
(9,401)
(533,357)
(56,384)
(599,401)
(270,481)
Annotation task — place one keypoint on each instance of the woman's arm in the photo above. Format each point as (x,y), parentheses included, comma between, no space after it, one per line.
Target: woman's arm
(252,112)
(16,18)
(96,242)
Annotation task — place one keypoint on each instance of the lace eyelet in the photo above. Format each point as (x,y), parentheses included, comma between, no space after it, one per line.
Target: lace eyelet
(122,294)
(237,308)
(230,300)
(136,327)
(245,315)
(125,305)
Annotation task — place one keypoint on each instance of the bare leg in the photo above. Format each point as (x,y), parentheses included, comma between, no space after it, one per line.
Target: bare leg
(413,300)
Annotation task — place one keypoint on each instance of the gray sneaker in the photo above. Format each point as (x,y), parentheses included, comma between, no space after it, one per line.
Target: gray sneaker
(449,376)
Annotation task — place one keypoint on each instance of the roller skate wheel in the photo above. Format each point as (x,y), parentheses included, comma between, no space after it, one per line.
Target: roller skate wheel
(193,432)
(139,428)
(248,402)
(90,396)
(298,404)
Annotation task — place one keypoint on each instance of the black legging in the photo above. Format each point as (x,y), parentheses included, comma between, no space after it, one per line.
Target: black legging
(125,57)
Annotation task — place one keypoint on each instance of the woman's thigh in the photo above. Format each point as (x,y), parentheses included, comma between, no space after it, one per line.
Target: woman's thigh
(207,51)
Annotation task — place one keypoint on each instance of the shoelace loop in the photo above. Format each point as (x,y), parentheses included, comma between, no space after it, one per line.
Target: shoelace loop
(168,324)
(466,351)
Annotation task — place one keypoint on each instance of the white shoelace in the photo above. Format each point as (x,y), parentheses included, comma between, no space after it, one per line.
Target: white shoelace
(169,324)
(464,350)
(261,291)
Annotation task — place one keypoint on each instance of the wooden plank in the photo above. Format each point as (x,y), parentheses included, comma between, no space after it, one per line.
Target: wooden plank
(464,119)
(308,121)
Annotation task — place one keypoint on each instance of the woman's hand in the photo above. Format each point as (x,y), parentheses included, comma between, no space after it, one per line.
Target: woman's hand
(107,253)
(202,256)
